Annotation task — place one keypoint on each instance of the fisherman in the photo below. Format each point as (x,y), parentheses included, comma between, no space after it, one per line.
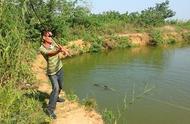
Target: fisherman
(50,50)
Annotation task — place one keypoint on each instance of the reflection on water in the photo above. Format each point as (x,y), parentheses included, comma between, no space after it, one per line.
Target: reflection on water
(154,81)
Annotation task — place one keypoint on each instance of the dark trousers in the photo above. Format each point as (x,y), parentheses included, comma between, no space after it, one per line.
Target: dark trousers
(57,85)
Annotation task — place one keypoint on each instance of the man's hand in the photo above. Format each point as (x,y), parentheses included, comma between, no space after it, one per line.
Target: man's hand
(64,50)
(60,49)
(54,52)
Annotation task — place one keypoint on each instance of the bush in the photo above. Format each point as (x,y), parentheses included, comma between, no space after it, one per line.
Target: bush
(171,41)
(16,53)
(72,97)
(186,37)
(122,42)
(156,37)
(96,44)
(89,103)
(17,108)
(109,117)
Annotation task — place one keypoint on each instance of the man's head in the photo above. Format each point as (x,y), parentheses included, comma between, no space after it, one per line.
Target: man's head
(47,36)
(47,33)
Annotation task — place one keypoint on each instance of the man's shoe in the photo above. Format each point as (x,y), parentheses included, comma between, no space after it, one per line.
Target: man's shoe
(60,100)
(51,114)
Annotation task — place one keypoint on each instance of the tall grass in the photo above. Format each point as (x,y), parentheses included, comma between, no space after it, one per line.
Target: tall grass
(15,57)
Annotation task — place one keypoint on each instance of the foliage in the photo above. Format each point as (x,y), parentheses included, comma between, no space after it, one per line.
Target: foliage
(97,44)
(68,20)
(157,38)
(89,103)
(183,25)
(15,71)
(72,97)
(122,42)
(109,117)
(17,108)
(171,41)
(186,37)
(156,15)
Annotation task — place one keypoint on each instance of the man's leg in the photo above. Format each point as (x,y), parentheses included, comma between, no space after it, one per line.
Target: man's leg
(54,94)
(60,75)
(60,78)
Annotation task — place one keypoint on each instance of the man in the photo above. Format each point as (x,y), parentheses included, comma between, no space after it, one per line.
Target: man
(50,50)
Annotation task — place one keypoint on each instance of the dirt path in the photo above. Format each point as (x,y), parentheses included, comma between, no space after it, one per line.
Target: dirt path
(67,112)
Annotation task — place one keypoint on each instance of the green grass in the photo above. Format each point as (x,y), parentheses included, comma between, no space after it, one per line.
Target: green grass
(90,104)
(16,55)
(183,25)
(18,108)
(109,117)
(156,37)
(71,96)
(186,37)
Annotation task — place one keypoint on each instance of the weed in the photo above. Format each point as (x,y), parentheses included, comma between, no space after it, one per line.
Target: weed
(89,103)
(157,38)
(186,37)
(109,117)
(122,42)
(72,97)
(171,41)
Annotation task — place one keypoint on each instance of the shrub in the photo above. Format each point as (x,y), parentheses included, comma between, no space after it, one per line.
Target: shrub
(72,97)
(96,44)
(186,37)
(122,42)
(171,41)
(89,103)
(17,108)
(109,117)
(156,37)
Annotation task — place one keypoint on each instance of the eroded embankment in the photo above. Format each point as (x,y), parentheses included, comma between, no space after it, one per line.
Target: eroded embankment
(160,36)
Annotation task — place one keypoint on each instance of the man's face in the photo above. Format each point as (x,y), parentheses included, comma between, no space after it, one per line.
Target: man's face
(46,34)
(50,34)
(47,37)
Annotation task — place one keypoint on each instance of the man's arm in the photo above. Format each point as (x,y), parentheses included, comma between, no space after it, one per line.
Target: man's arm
(64,50)
(54,52)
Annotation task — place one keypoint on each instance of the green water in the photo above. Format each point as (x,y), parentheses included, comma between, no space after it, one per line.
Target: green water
(154,80)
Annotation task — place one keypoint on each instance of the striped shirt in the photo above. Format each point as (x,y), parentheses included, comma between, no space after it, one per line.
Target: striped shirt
(54,63)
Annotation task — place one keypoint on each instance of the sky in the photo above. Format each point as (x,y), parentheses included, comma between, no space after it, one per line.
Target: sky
(181,7)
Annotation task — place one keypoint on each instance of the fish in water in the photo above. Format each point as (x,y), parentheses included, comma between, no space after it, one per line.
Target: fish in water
(97,85)
(104,86)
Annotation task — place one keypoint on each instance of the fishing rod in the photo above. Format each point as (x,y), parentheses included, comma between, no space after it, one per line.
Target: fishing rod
(39,19)
(44,27)
(33,9)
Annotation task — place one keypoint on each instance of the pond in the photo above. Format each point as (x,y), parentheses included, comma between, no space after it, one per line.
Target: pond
(146,85)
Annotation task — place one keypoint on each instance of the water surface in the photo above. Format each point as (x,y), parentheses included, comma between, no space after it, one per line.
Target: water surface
(154,82)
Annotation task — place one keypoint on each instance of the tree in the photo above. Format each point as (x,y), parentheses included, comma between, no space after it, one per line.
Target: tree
(156,15)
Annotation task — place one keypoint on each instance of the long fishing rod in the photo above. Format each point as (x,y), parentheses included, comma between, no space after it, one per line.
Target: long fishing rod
(39,19)
(33,9)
